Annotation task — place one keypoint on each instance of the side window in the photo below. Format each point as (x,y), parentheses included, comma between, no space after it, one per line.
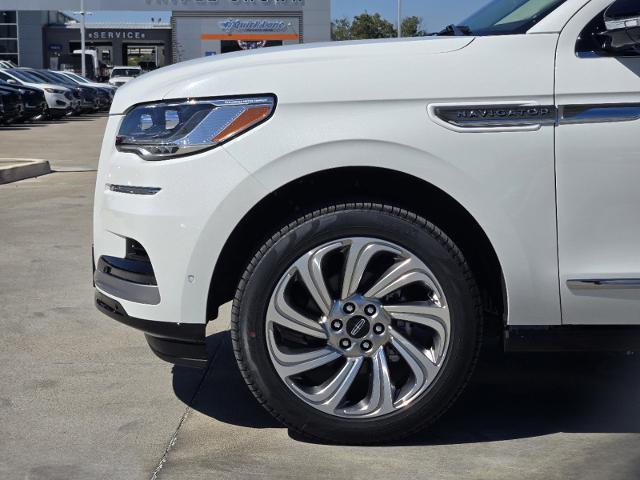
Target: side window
(594,39)
(4,76)
(589,41)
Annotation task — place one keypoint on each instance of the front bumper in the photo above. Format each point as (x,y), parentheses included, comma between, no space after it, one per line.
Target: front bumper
(180,344)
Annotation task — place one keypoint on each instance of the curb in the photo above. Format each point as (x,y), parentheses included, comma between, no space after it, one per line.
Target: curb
(14,170)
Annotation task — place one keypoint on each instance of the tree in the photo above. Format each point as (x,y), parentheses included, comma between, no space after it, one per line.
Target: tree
(371,26)
(374,26)
(341,29)
(412,27)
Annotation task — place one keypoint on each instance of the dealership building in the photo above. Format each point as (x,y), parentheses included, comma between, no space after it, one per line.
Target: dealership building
(33,35)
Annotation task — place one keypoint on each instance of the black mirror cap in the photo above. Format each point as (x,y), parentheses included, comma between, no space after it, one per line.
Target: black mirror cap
(622,21)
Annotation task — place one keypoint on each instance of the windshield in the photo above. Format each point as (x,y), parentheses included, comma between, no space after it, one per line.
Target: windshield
(59,78)
(509,17)
(77,78)
(26,76)
(125,72)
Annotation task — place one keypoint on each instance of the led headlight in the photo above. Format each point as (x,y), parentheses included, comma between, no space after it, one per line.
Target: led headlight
(54,90)
(170,129)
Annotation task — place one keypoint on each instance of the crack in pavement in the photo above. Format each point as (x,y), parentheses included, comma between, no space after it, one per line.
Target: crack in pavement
(174,437)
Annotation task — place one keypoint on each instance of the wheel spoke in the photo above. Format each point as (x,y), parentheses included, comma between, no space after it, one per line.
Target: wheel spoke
(400,274)
(361,251)
(282,313)
(424,369)
(288,364)
(380,398)
(331,393)
(309,267)
(429,315)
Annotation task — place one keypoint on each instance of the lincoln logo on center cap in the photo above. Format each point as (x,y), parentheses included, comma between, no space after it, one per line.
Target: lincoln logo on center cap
(358,327)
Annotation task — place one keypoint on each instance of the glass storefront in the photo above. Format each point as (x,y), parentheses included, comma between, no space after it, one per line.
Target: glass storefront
(9,36)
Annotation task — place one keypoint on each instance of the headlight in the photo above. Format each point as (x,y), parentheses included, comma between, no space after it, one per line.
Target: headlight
(54,90)
(170,129)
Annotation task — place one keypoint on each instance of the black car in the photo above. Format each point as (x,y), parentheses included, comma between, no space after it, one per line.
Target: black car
(105,92)
(11,106)
(33,99)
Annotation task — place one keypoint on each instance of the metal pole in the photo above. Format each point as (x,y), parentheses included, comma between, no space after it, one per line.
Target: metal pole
(82,45)
(399,18)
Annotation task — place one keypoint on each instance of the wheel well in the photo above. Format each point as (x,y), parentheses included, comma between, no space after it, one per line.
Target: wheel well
(367,184)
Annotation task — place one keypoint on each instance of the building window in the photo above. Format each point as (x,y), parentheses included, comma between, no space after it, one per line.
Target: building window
(9,35)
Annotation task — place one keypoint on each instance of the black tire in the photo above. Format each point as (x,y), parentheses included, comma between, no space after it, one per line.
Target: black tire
(389,223)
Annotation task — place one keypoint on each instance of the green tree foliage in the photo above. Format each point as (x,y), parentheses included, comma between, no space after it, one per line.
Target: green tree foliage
(374,26)
(412,27)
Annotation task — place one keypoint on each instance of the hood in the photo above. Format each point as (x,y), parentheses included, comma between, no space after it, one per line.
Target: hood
(326,71)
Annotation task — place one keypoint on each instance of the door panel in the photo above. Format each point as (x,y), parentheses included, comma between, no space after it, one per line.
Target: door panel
(598,181)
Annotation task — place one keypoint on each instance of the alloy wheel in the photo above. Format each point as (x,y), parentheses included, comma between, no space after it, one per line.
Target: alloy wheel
(358,328)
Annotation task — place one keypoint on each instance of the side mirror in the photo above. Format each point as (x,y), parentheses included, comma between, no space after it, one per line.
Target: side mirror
(622,22)
(12,81)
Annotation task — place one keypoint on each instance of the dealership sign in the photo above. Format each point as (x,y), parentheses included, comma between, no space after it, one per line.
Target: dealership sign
(233,25)
(115,34)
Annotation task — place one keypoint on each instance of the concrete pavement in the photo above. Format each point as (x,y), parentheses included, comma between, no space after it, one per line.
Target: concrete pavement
(81,396)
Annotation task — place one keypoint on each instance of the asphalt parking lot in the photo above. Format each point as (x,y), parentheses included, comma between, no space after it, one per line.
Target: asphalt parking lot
(83,397)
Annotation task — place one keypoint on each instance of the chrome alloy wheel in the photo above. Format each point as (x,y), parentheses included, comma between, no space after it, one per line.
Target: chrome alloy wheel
(358,327)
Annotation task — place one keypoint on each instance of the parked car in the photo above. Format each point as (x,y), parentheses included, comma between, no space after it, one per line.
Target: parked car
(85,97)
(33,100)
(105,92)
(60,100)
(372,207)
(7,64)
(121,75)
(11,106)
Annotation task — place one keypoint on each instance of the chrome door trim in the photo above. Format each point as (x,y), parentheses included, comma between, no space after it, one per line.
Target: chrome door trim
(603,283)
(603,113)
(496,116)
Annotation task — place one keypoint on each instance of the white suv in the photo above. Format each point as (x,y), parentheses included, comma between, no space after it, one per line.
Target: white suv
(122,75)
(369,206)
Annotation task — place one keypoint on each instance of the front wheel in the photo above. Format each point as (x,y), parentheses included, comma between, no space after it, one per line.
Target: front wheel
(357,324)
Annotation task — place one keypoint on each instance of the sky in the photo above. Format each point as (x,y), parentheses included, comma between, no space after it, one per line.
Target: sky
(435,13)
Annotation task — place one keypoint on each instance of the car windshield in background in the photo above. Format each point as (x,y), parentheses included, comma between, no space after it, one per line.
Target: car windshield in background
(125,72)
(26,76)
(77,77)
(508,17)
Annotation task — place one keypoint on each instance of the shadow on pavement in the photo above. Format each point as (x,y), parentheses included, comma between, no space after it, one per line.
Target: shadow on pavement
(509,397)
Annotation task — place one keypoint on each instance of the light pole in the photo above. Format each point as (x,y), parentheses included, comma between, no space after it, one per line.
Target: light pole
(82,44)
(82,13)
(399,18)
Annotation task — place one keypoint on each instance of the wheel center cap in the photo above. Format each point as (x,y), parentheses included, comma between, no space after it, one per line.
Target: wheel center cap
(358,326)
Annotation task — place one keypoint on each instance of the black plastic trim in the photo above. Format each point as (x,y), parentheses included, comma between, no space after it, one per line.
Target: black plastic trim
(136,271)
(180,344)
(573,338)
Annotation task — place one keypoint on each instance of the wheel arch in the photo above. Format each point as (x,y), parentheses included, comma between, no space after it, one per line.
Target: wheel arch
(368,184)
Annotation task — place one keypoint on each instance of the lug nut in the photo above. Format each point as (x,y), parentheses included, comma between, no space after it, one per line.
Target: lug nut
(336,325)
(349,308)
(366,345)
(345,343)
(378,328)
(370,310)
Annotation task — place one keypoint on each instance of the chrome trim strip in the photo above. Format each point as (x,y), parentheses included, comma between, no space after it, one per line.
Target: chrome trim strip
(604,283)
(132,190)
(605,113)
(497,116)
